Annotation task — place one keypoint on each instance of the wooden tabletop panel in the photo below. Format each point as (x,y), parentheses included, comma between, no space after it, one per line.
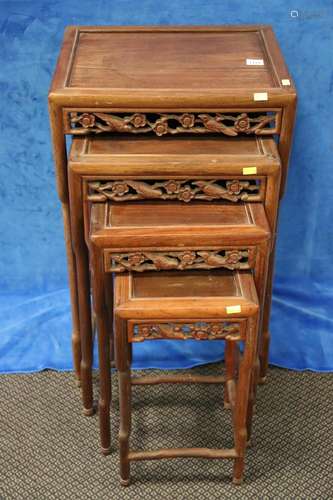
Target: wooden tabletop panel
(220,283)
(157,65)
(189,155)
(152,295)
(164,60)
(164,213)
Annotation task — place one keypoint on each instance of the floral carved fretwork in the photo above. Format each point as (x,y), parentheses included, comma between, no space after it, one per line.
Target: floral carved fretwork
(231,124)
(179,260)
(184,331)
(184,190)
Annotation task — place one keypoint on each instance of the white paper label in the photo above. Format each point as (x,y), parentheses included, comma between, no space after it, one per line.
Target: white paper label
(233,309)
(254,62)
(285,82)
(260,96)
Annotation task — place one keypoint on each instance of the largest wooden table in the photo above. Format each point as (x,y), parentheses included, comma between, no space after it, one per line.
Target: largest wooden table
(232,78)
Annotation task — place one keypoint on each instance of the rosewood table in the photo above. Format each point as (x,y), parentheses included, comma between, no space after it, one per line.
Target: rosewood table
(153,238)
(142,180)
(193,304)
(163,81)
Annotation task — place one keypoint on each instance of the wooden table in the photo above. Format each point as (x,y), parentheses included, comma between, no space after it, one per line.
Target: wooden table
(159,239)
(164,81)
(193,305)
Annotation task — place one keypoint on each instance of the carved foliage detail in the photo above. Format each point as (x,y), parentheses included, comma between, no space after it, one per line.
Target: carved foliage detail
(184,331)
(186,259)
(173,123)
(183,190)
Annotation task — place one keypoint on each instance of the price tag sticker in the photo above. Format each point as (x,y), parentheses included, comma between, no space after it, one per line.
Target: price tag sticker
(249,170)
(255,62)
(286,82)
(260,96)
(233,309)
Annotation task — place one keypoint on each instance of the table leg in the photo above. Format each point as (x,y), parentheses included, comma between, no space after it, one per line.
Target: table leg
(265,339)
(262,281)
(243,398)
(83,280)
(104,333)
(123,356)
(284,147)
(230,357)
(60,158)
(86,334)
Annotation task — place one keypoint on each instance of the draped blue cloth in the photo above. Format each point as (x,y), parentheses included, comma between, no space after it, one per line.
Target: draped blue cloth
(35,333)
(35,323)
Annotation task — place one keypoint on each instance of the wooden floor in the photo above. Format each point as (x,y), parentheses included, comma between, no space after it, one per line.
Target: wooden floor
(50,451)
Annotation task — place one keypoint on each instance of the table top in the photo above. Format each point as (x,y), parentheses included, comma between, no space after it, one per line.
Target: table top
(121,225)
(107,146)
(118,153)
(151,65)
(206,292)
(152,215)
(220,283)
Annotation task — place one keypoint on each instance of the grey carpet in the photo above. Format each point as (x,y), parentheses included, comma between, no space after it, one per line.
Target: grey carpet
(49,451)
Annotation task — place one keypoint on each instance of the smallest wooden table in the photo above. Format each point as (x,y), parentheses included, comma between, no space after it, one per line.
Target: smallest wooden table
(198,305)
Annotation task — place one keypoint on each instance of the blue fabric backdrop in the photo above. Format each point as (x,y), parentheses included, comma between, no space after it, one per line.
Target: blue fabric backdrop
(35,315)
